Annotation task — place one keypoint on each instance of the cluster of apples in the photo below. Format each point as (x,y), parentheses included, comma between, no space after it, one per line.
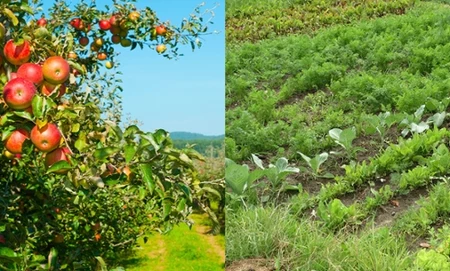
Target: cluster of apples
(18,94)
(118,26)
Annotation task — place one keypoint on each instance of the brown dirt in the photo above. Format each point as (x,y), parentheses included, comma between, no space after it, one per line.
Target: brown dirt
(251,265)
(159,253)
(388,213)
(215,248)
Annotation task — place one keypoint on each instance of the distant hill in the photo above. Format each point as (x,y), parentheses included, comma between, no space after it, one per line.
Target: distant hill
(188,136)
(202,142)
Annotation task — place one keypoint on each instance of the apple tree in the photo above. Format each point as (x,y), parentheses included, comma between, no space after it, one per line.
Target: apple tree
(76,188)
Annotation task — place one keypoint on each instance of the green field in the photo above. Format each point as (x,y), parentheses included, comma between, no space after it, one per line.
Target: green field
(359,108)
(182,249)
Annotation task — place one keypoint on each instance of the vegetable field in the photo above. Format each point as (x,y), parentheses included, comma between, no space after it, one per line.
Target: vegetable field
(337,135)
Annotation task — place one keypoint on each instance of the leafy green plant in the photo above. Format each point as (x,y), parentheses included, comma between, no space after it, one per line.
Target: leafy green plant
(413,123)
(345,139)
(263,18)
(431,260)
(277,172)
(239,179)
(335,213)
(315,163)
(379,198)
(380,123)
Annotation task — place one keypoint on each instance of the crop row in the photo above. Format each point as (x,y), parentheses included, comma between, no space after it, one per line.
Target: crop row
(257,20)
(414,161)
(393,63)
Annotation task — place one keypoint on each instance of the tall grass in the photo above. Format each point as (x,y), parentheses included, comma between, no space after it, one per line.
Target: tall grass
(302,244)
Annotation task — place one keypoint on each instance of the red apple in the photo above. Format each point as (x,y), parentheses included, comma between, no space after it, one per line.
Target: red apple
(115,30)
(47,89)
(15,141)
(104,24)
(114,20)
(59,154)
(18,93)
(102,56)
(161,30)
(17,54)
(84,41)
(2,239)
(76,22)
(46,138)
(115,39)
(32,72)
(41,22)
(56,70)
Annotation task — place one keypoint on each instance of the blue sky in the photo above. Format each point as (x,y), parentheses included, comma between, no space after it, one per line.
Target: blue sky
(187,94)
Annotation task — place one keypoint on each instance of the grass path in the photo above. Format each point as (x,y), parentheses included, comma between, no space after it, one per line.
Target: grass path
(182,250)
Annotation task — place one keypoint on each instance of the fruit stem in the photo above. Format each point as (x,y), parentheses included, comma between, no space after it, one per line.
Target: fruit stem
(65,140)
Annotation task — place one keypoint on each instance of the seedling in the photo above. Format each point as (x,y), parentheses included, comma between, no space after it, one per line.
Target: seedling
(345,138)
(413,123)
(380,124)
(335,214)
(239,179)
(276,174)
(315,163)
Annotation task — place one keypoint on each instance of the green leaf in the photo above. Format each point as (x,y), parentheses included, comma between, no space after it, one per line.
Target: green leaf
(257,161)
(102,263)
(52,258)
(149,137)
(76,128)
(9,254)
(24,115)
(11,16)
(185,190)
(131,131)
(438,119)
(41,32)
(212,191)
(183,157)
(236,177)
(419,128)
(38,106)
(76,66)
(103,153)
(181,205)
(25,7)
(81,144)
(116,129)
(7,132)
(146,171)
(318,160)
(167,207)
(130,151)
(60,165)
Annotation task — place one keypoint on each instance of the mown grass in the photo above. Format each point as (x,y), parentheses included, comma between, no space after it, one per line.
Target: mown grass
(182,249)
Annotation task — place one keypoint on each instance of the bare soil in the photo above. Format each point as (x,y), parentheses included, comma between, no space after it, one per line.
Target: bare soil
(214,247)
(257,264)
